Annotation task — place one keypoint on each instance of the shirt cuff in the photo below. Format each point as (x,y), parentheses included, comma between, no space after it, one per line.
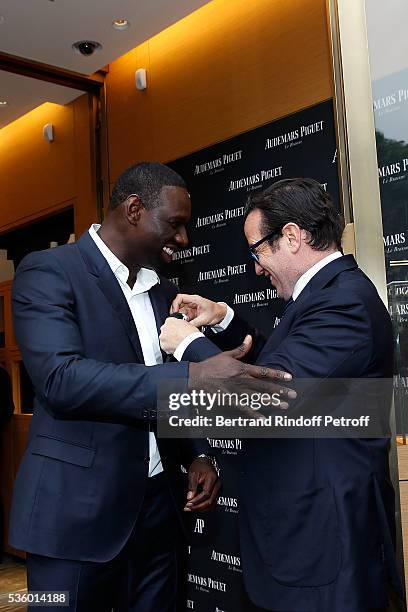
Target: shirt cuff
(222,325)
(179,352)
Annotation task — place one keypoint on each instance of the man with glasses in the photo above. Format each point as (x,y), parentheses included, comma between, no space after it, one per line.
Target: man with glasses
(316,515)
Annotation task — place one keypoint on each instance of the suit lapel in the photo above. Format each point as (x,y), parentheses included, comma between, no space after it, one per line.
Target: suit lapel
(108,284)
(320,280)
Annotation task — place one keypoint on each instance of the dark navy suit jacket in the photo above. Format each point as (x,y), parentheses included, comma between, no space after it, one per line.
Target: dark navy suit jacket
(317,515)
(81,481)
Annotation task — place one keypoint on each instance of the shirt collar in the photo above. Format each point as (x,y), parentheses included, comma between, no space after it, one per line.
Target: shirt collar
(145,279)
(310,273)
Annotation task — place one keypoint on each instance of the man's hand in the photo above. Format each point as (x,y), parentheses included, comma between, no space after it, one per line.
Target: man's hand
(172,332)
(199,310)
(202,473)
(226,372)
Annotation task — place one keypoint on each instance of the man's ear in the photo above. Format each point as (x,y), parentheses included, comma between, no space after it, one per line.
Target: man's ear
(133,209)
(293,235)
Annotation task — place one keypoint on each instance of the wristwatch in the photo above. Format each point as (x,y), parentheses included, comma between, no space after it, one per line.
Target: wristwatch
(212,460)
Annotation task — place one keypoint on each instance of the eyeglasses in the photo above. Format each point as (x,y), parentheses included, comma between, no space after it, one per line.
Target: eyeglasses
(253,247)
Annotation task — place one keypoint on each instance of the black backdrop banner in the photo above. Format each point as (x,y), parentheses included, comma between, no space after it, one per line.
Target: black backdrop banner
(216,264)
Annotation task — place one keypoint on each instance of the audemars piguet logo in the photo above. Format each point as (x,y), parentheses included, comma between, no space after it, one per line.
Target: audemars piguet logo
(391,102)
(210,219)
(391,173)
(394,239)
(218,163)
(219,219)
(221,273)
(199,526)
(193,251)
(255,296)
(233,213)
(230,504)
(255,179)
(207,583)
(230,445)
(232,560)
(294,137)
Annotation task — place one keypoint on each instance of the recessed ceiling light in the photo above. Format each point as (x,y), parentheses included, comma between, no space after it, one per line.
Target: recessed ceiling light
(3,103)
(121,24)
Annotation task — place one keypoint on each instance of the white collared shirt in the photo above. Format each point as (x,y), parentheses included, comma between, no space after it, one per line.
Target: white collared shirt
(310,273)
(140,306)
(299,286)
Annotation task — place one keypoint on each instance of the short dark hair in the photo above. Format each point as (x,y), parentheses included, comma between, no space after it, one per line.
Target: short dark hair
(302,201)
(146,179)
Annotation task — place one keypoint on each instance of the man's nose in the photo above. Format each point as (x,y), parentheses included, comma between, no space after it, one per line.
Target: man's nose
(181,237)
(258,269)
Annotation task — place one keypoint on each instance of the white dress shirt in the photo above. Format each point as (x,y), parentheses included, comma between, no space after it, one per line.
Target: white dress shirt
(299,286)
(310,273)
(140,306)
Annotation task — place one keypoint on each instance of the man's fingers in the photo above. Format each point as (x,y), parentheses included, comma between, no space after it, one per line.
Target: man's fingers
(280,375)
(192,485)
(267,373)
(206,495)
(241,351)
(205,505)
(199,320)
(179,300)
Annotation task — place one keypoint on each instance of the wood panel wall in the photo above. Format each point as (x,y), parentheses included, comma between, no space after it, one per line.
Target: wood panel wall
(226,68)
(35,175)
(38,178)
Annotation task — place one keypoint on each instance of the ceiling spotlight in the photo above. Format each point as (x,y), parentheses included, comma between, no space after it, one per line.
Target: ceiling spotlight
(121,24)
(3,103)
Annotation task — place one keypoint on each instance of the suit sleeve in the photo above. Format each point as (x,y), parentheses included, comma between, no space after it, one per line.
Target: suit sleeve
(232,337)
(67,382)
(328,339)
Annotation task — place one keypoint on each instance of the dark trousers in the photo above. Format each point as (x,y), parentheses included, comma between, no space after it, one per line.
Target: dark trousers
(142,578)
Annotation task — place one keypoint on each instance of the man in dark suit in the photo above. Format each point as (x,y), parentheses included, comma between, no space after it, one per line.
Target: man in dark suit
(97,496)
(316,515)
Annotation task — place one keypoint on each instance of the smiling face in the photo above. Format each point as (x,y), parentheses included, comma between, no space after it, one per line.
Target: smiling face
(278,262)
(162,230)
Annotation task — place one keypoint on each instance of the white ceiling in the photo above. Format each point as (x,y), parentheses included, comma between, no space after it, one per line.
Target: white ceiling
(23,94)
(44,30)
